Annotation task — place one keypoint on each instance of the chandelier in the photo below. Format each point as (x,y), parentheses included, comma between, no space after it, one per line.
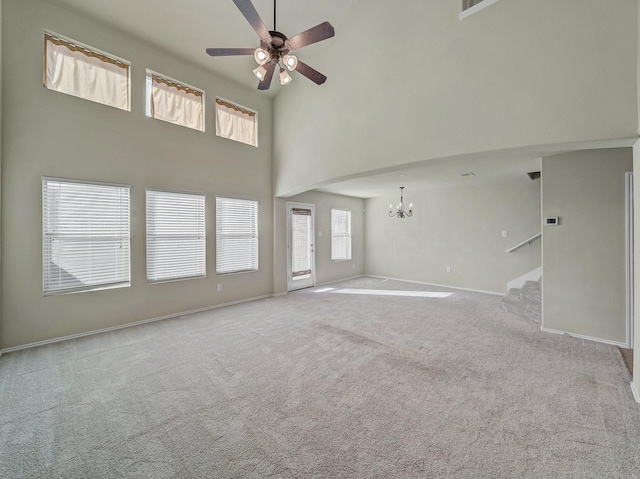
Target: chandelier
(401,212)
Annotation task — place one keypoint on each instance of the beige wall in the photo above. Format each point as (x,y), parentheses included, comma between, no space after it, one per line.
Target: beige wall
(458,227)
(52,134)
(326,269)
(517,74)
(584,256)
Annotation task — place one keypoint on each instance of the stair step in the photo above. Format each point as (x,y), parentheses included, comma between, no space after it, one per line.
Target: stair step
(526,302)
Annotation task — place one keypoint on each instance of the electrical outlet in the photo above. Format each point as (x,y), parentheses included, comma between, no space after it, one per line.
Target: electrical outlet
(448,269)
(504,234)
(219,287)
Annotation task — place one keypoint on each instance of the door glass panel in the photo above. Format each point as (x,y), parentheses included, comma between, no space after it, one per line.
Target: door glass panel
(301,243)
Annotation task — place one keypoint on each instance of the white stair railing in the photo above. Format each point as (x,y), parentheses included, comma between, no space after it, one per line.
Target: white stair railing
(527,241)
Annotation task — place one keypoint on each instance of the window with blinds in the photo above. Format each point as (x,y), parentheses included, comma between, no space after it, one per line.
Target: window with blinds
(81,71)
(340,234)
(236,122)
(237,235)
(174,102)
(85,236)
(176,236)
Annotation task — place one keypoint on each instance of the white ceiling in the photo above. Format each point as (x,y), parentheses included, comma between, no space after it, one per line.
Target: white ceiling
(186,28)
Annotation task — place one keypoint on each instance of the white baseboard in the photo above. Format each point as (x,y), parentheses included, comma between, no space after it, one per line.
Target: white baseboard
(130,325)
(582,336)
(438,285)
(636,396)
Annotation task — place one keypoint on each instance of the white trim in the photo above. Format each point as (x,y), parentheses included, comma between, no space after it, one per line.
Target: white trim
(129,325)
(636,395)
(438,285)
(476,8)
(582,336)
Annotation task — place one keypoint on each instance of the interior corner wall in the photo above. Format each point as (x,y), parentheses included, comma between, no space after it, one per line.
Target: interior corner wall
(518,74)
(1,96)
(328,270)
(46,133)
(460,228)
(584,288)
(636,269)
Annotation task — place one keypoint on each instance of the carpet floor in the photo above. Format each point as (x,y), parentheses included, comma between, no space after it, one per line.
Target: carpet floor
(367,378)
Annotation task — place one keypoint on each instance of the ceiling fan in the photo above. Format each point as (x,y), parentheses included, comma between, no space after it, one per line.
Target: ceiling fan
(275,47)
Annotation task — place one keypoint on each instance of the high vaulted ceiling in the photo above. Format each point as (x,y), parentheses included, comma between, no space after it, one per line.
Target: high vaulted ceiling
(186,28)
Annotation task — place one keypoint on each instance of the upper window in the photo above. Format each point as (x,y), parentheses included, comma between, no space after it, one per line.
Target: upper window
(175,102)
(340,234)
(236,123)
(237,235)
(81,71)
(175,235)
(469,7)
(85,235)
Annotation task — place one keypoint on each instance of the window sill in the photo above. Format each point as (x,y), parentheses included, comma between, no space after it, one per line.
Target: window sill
(476,8)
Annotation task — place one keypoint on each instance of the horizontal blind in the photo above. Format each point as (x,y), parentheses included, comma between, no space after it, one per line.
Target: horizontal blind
(85,235)
(176,235)
(340,234)
(237,235)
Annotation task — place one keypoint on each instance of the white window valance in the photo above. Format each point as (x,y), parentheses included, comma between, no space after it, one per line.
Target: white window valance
(79,71)
(236,123)
(176,103)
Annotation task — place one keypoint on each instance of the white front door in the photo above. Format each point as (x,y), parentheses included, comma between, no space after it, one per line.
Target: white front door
(300,246)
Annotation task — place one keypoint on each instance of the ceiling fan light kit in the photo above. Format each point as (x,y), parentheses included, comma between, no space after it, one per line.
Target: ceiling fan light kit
(260,72)
(284,77)
(261,56)
(275,47)
(290,61)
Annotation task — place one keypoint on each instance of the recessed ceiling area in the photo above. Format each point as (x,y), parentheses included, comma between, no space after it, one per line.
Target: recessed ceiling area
(442,173)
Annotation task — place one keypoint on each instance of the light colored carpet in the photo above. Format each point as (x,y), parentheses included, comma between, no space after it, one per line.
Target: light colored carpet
(318,384)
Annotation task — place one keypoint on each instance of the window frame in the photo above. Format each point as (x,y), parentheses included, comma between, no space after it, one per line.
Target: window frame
(108,57)
(46,245)
(180,85)
(349,235)
(255,234)
(203,238)
(235,106)
(468,10)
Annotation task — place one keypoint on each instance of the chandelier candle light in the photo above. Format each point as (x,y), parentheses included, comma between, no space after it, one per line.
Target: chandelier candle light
(401,212)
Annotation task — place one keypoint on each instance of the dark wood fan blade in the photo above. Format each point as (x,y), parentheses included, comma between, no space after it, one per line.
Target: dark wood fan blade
(313,35)
(313,75)
(250,13)
(265,83)
(222,52)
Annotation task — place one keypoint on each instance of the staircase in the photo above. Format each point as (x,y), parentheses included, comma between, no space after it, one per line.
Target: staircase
(526,301)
